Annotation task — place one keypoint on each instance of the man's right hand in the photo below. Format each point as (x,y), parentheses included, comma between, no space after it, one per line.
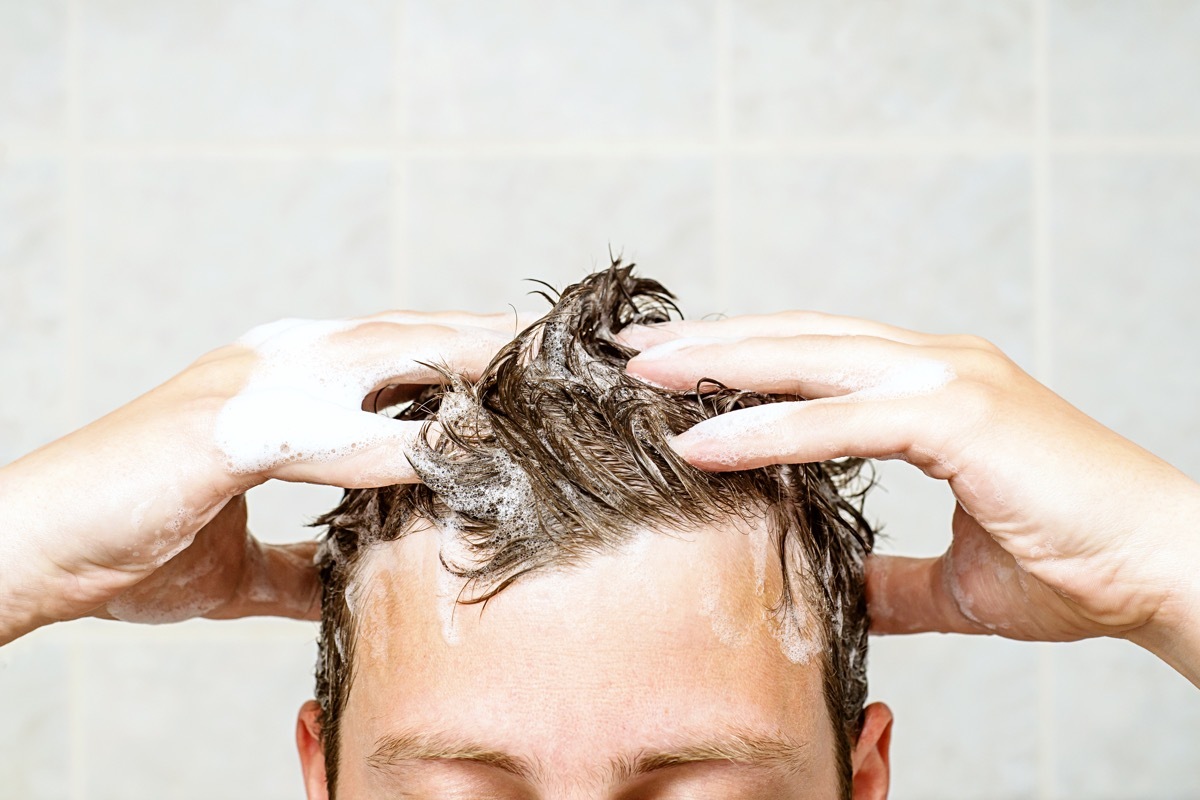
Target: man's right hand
(1063,529)
(131,516)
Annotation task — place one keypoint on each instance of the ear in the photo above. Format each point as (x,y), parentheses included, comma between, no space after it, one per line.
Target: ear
(871,766)
(312,752)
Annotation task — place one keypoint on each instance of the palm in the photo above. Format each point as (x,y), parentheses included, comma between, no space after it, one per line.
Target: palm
(993,592)
(198,581)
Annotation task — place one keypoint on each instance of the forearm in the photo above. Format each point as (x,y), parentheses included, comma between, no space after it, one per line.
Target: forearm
(24,579)
(97,510)
(19,600)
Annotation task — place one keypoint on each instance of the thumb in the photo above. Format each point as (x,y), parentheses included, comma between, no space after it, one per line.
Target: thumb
(910,595)
(278,581)
(377,455)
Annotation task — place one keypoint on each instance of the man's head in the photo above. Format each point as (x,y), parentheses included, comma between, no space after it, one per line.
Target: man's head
(565,608)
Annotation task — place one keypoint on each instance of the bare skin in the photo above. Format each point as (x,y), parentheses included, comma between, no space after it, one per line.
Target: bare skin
(652,672)
(140,515)
(1064,530)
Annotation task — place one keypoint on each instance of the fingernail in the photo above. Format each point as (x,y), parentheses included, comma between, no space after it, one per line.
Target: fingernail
(638,375)
(703,451)
(667,349)
(642,337)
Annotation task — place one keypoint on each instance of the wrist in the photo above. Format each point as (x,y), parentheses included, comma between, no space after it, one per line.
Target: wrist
(90,514)
(17,620)
(23,584)
(1176,642)
(1173,632)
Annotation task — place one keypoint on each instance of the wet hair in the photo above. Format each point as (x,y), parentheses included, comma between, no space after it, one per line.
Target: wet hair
(556,454)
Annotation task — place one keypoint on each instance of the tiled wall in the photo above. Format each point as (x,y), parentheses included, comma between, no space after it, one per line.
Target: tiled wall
(173,173)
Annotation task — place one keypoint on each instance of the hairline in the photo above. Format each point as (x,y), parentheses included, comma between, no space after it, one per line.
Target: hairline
(418,524)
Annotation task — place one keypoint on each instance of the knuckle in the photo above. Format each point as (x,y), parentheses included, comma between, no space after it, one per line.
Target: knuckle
(974,342)
(988,364)
(384,329)
(973,399)
(801,315)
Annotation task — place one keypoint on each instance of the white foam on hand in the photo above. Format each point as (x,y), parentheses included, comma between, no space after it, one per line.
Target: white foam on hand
(303,401)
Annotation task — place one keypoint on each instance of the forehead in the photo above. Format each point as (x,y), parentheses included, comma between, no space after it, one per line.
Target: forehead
(673,635)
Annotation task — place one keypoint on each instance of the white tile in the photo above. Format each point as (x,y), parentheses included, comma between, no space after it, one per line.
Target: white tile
(32,67)
(1125,725)
(914,67)
(1126,235)
(35,719)
(1124,68)
(192,720)
(966,715)
(237,69)
(281,513)
(33,291)
(477,228)
(910,511)
(184,256)
(941,245)
(536,70)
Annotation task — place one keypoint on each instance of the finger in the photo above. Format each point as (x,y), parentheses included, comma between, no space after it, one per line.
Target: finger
(378,353)
(360,450)
(512,321)
(786,323)
(810,366)
(778,433)
(909,595)
(817,430)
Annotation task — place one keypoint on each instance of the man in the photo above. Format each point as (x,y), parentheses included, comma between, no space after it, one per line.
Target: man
(1063,529)
(651,630)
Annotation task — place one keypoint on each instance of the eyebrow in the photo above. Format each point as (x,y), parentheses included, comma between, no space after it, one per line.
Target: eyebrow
(735,747)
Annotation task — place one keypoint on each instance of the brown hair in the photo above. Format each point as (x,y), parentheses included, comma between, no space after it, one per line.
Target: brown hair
(556,453)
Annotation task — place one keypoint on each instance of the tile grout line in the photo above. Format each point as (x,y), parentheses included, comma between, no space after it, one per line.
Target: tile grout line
(77,742)
(879,147)
(75,697)
(1043,347)
(72,159)
(721,264)
(399,204)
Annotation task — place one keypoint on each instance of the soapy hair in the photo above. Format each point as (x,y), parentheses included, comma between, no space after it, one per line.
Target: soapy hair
(556,454)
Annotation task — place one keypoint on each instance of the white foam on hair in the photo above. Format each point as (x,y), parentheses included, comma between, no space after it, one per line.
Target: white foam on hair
(551,357)
(507,503)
